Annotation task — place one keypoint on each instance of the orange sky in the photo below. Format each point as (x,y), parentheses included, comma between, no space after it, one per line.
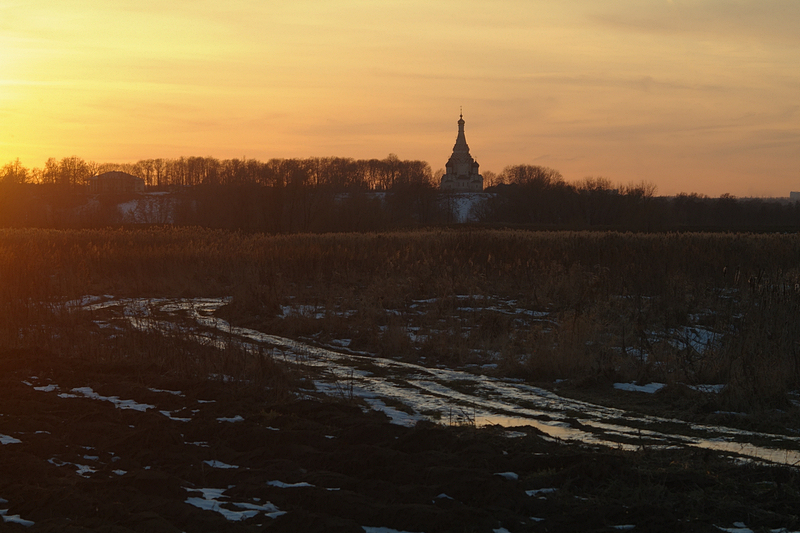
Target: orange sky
(700,96)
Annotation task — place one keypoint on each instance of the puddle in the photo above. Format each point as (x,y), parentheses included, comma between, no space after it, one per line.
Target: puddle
(556,430)
(453,396)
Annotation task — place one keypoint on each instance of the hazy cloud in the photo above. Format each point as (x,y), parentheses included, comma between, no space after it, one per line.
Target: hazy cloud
(772,21)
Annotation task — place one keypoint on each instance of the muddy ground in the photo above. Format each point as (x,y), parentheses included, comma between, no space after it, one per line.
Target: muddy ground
(77,457)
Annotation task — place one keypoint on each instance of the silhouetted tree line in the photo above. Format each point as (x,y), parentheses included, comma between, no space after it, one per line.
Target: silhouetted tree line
(280,195)
(334,172)
(344,194)
(535,196)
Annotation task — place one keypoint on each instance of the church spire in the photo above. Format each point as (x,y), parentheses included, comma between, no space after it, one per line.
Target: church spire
(461,140)
(461,170)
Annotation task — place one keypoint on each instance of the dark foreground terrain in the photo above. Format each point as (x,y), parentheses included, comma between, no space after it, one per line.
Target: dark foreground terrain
(118,448)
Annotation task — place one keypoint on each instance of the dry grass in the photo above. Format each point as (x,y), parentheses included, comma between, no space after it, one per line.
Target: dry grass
(617,304)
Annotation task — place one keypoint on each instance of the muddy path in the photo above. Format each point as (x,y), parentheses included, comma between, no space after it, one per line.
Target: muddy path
(408,392)
(111,445)
(119,449)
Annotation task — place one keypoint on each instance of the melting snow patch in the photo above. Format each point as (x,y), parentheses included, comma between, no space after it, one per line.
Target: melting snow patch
(14,518)
(626,527)
(237,418)
(84,470)
(501,530)
(536,492)
(344,343)
(169,415)
(120,404)
(47,388)
(84,301)
(381,530)
(81,470)
(219,464)
(738,527)
(650,388)
(715,389)
(173,392)
(511,476)
(429,389)
(282,485)
(698,339)
(397,417)
(5,439)
(211,501)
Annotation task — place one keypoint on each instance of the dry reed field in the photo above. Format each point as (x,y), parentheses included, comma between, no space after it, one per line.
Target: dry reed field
(124,411)
(682,309)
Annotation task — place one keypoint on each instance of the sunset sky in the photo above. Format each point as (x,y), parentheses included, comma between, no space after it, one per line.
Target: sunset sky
(694,96)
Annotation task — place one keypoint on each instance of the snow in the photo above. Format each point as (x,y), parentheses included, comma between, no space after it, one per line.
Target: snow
(698,339)
(84,470)
(5,439)
(740,527)
(463,203)
(650,388)
(169,415)
(120,404)
(81,470)
(173,392)
(401,418)
(237,418)
(282,485)
(83,302)
(511,476)
(404,391)
(536,492)
(219,464)
(213,500)
(342,343)
(148,209)
(715,389)
(382,530)
(14,518)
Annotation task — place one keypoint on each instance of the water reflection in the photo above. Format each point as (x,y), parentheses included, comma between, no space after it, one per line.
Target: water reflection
(563,431)
(447,391)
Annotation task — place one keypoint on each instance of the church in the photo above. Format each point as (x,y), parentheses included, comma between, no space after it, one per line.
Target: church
(461,172)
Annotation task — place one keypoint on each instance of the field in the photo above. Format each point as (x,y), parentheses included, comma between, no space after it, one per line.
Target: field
(188,379)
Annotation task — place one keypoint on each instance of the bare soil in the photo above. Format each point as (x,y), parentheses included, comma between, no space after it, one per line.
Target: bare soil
(356,468)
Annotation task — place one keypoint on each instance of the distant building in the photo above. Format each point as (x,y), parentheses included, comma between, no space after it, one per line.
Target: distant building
(461,171)
(794,196)
(115,182)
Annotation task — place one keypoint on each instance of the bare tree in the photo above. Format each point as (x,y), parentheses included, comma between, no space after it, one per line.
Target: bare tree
(14,172)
